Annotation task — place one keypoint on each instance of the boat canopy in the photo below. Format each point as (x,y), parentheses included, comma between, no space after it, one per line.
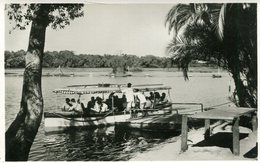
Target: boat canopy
(102,90)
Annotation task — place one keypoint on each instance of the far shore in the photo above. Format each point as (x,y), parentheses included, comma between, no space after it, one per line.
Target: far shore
(19,71)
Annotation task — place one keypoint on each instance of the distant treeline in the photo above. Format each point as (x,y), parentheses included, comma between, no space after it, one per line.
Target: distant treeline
(69,59)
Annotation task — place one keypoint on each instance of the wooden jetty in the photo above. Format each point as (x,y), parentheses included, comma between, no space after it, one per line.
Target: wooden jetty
(154,122)
(226,113)
(162,120)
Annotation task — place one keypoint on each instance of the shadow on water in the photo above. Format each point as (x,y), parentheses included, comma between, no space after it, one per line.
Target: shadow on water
(100,144)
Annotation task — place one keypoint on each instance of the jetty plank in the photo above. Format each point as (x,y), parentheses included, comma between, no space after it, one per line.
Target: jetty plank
(223,113)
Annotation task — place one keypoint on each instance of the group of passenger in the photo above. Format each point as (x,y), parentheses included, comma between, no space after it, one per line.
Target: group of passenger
(94,106)
(72,105)
(131,98)
(138,100)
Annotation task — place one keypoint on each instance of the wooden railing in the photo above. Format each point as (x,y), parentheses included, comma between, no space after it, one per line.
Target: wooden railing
(180,103)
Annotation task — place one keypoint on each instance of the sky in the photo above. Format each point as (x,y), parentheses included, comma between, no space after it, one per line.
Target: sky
(105,29)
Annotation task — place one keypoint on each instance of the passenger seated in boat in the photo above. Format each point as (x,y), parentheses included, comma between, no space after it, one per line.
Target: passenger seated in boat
(163,99)
(78,108)
(157,98)
(116,101)
(103,107)
(151,97)
(140,99)
(109,100)
(67,105)
(97,105)
(100,106)
(148,103)
(90,106)
(74,104)
(122,103)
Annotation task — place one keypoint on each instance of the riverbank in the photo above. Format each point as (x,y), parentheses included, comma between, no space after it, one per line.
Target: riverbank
(217,147)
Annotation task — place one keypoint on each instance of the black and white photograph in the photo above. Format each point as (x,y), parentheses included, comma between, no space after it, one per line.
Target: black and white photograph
(127,81)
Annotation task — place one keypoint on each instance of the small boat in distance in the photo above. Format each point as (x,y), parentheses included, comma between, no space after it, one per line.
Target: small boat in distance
(217,75)
(148,75)
(120,74)
(59,120)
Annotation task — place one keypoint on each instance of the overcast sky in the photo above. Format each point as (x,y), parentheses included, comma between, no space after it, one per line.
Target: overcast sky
(106,29)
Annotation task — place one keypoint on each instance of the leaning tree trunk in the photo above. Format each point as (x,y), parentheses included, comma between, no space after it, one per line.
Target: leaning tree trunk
(240,47)
(243,72)
(246,93)
(21,133)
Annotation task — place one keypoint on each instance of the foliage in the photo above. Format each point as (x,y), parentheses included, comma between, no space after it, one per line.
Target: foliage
(223,34)
(70,59)
(15,59)
(58,15)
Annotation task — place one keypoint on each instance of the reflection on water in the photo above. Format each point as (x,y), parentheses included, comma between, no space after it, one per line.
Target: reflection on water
(107,143)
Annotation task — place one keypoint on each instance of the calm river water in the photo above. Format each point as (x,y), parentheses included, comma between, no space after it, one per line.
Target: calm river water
(109,143)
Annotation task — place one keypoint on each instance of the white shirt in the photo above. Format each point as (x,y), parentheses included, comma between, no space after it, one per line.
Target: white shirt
(164,100)
(78,108)
(141,97)
(96,107)
(74,105)
(148,104)
(104,107)
(129,94)
(66,107)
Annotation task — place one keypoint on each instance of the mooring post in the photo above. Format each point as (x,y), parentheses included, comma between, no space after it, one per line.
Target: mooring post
(184,133)
(207,129)
(236,143)
(254,122)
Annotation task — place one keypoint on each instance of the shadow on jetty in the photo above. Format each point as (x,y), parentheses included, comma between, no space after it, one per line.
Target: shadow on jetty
(221,139)
(253,153)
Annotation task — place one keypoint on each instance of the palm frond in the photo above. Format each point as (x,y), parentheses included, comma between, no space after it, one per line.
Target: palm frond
(221,21)
(177,14)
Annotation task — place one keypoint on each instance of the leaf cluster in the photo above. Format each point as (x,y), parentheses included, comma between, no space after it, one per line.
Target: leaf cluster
(55,15)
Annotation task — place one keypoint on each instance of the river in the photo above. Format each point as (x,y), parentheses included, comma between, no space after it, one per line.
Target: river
(109,143)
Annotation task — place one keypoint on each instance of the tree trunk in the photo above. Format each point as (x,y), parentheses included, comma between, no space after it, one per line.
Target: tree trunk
(244,79)
(240,45)
(21,133)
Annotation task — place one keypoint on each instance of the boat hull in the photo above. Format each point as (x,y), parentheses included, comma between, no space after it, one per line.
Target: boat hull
(60,121)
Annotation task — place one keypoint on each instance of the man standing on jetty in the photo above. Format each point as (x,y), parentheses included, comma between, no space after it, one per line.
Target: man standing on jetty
(129,93)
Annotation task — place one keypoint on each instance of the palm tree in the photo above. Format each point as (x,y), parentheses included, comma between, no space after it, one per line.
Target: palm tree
(222,33)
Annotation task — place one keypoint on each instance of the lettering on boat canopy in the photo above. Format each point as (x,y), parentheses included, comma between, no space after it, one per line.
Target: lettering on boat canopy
(107,88)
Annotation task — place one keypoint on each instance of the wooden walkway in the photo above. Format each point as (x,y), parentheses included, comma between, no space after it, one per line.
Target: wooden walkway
(227,113)
(154,122)
(161,120)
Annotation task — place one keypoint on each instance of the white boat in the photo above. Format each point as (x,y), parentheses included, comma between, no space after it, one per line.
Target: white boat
(58,121)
